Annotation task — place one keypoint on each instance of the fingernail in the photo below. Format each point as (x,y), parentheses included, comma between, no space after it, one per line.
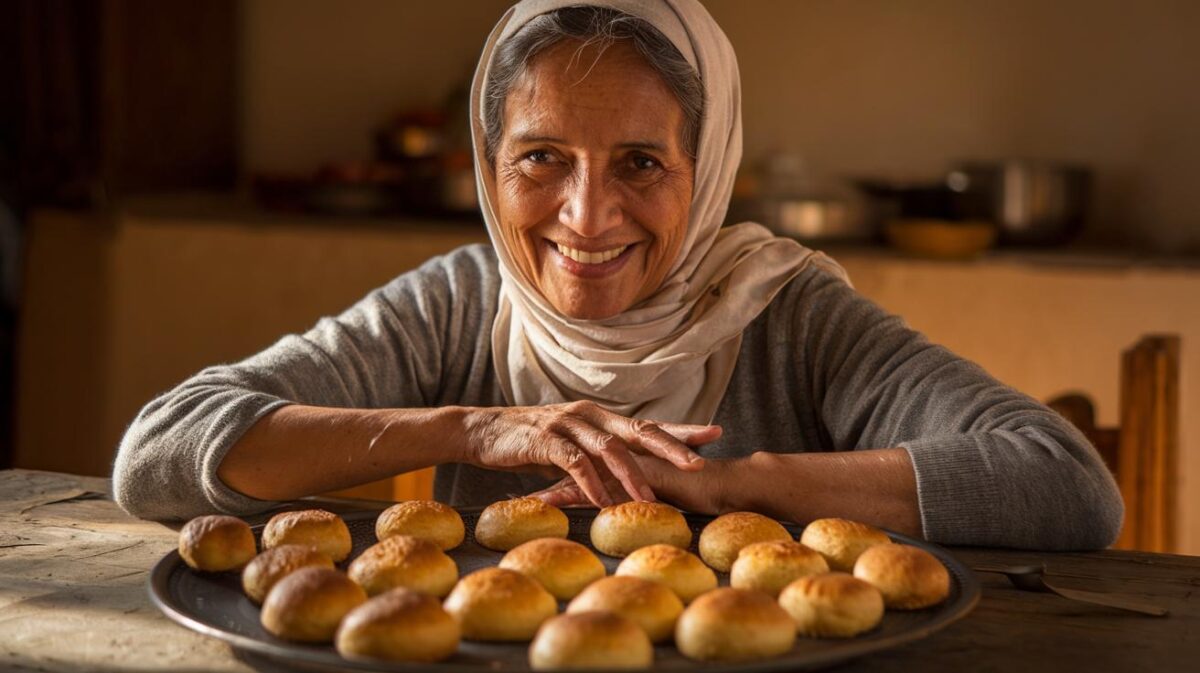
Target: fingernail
(647,494)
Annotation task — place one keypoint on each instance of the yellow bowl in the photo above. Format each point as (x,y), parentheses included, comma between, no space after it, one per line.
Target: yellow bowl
(941,239)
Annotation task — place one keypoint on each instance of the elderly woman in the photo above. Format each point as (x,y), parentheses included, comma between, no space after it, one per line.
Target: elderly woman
(615,342)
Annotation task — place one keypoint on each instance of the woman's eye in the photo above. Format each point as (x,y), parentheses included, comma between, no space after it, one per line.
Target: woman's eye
(644,163)
(538,156)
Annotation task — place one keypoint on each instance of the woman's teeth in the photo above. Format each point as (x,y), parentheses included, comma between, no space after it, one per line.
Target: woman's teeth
(590,257)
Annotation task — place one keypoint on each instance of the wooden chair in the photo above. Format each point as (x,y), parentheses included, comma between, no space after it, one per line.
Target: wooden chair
(1143,451)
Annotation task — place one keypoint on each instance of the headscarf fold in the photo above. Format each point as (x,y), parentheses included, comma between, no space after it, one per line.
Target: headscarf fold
(669,357)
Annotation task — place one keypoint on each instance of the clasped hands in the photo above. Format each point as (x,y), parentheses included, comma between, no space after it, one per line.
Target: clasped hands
(606,458)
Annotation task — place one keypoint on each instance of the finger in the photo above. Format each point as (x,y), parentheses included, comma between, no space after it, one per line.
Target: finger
(563,495)
(658,442)
(578,464)
(692,435)
(643,434)
(615,454)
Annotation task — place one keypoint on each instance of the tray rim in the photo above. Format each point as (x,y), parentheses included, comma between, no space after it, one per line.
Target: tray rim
(158,587)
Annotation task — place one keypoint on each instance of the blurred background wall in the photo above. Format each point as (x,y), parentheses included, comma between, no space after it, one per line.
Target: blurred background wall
(864,87)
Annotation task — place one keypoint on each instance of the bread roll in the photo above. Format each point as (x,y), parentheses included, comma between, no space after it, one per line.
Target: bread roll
(399,625)
(679,570)
(909,577)
(274,564)
(216,543)
(724,536)
(832,605)
(590,640)
(313,527)
(426,519)
(563,567)
(841,541)
(504,525)
(498,604)
(403,561)
(729,624)
(770,566)
(307,605)
(650,605)
(620,529)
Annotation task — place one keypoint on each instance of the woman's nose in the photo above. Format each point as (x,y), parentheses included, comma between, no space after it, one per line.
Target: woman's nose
(591,206)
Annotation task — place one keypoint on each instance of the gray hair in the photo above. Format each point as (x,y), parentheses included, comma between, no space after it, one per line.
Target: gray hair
(592,26)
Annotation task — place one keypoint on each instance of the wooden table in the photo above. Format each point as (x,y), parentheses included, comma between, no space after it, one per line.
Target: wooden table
(73,570)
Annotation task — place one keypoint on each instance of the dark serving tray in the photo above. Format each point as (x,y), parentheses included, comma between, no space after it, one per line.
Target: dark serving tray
(214,604)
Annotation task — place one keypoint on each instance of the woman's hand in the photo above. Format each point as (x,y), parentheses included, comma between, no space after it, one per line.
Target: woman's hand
(597,449)
(699,492)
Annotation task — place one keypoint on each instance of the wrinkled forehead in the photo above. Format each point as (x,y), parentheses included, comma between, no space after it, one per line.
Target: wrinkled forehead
(659,14)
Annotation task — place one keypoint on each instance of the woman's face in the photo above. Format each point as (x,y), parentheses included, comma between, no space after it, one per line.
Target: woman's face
(593,184)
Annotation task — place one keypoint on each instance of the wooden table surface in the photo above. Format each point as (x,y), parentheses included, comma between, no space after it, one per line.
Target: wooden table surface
(74,567)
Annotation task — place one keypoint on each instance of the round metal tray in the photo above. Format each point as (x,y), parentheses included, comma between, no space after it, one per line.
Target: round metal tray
(214,604)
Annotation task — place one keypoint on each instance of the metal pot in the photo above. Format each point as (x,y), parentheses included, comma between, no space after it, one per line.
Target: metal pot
(1032,202)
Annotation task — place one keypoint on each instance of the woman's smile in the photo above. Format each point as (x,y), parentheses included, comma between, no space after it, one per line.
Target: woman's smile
(593,262)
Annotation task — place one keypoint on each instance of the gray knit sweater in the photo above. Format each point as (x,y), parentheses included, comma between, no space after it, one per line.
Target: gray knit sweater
(821,369)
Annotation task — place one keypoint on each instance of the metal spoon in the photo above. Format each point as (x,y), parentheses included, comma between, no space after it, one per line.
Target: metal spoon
(1033,578)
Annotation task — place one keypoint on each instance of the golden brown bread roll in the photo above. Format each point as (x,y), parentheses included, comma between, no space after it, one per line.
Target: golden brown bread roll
(621,529)
(307,605)
(840,541)
(909,577)
(274,564)
(729,624)
(648,604)
(426,519)
(678,569)
(724,536)
(216,543)
(590,640)
(563,567)
(399,625)
(313,527)
(770,566)
(504,525)
(832,605)
(404,561)
(498,604)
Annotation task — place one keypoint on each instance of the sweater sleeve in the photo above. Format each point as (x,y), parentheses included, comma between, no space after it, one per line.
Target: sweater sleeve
(388,350)
(994,467)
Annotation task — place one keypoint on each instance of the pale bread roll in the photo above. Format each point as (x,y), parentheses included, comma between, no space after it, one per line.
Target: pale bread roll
(590,640)
(650,605)
(504,525)
(678,569)
(307,605)
(770,566)
(399,625)
(216,543)
(274,564)
(563,567)
(426,519)
(497,604)
(313,527)
(621,529)
(832,605)
(724,536)
(403,561)
(840,541)
(909,577)
(729,624)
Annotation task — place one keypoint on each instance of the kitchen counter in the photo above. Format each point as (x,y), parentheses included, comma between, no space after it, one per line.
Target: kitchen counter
(74,568)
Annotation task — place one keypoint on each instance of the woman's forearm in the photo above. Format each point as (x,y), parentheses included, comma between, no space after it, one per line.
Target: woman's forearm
(299,450)
(877,487)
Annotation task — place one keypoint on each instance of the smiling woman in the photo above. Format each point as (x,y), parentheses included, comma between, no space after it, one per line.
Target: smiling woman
(619,342)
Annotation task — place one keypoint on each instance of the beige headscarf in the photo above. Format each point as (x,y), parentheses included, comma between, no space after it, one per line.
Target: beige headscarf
(670,357)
